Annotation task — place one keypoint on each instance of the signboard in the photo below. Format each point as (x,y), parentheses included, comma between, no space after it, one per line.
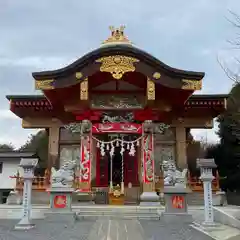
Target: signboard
(100,128)
(60,201)
(178,202)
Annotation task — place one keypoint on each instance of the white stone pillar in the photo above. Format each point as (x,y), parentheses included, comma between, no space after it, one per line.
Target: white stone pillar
(206,166)
(28,166)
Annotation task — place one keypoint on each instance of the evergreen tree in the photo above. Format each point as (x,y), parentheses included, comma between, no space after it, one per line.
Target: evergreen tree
(38,143)
(227,152)
(6,147)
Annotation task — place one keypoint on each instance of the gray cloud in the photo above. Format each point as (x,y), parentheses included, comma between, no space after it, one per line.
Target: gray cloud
(40,35)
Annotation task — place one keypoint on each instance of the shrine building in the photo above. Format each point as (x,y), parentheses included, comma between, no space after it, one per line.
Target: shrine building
(120,112)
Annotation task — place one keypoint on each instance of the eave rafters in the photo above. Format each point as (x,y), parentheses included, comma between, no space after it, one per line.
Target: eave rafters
(44,104)
(198,103)
(28,104)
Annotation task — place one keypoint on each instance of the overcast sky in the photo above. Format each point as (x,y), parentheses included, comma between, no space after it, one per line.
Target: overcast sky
(49,34)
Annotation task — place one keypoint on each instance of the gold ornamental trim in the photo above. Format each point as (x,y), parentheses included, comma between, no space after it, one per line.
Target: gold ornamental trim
(192,84)
(156,75)
(117,36)
(150,89)
(44,84)
(78,75)
(84,90)
(117,65)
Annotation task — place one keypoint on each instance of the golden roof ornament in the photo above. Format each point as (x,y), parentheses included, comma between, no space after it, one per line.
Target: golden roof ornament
(117,37)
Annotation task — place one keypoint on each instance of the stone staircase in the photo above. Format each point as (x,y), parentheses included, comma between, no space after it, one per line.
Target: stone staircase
(118,212)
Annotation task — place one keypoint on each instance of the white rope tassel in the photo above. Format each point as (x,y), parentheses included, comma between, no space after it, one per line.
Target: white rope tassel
(102,149)
(122,149)
(112,150)
(132,150)
(111,153)
(119,143)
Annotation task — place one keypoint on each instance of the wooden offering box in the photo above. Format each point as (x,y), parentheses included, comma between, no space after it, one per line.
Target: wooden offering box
(116,198)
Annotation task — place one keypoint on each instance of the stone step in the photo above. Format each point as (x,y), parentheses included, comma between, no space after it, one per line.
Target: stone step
(84,217)
(149,213)
(124,215)
(118,211)
(115,213)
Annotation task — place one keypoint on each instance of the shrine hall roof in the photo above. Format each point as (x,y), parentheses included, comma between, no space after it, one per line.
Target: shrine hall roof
(129,51)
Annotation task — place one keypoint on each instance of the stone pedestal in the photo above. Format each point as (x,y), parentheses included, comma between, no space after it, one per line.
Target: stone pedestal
(176,208)
(14,198)
(220,199)
(61,199)
(60,206)
(85,198)
(149,199)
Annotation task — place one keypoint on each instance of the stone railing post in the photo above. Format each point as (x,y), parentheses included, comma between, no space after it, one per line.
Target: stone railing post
(28,165)
(206,166)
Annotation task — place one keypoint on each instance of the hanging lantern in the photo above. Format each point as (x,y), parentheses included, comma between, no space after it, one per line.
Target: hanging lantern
(98,144)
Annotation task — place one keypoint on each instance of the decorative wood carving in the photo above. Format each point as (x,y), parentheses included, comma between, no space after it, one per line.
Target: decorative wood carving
(192,84)
(116,102)
(163,152)
(117,65)
(117,36)
(44,84)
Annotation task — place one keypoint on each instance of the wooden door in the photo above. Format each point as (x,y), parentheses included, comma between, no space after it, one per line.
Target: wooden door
(130,169)
(101,169)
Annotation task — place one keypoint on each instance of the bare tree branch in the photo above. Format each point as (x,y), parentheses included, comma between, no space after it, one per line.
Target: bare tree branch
(230,74)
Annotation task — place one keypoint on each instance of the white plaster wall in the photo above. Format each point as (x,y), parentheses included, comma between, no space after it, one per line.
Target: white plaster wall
(10,168)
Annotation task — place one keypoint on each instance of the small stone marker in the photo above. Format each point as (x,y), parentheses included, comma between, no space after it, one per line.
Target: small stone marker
(28,165)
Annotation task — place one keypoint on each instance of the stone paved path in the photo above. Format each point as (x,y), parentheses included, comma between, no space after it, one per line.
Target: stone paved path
(101,229)
(117,230)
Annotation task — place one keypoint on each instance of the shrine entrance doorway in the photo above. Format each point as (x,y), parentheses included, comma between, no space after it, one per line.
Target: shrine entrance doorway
(116,168)
(117,161)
